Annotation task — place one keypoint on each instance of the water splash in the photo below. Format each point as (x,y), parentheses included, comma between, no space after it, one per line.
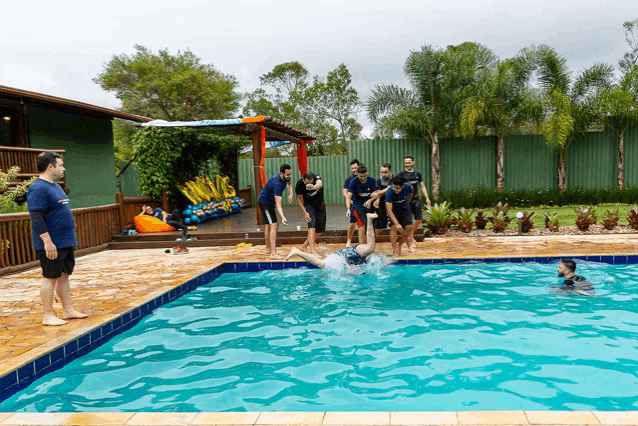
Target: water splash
(336,265)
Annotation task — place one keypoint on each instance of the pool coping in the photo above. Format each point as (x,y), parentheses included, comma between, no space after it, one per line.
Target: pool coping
(22,376)
(330,418)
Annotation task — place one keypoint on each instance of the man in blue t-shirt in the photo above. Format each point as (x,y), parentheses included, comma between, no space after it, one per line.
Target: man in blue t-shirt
(359,200)
(53,236)
(269,202)
(397,203)
(354,166)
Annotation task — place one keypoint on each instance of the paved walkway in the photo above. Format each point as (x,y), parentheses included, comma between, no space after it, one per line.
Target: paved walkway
(110,283)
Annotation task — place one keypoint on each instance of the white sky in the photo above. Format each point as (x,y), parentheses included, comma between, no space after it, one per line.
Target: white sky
(57,47)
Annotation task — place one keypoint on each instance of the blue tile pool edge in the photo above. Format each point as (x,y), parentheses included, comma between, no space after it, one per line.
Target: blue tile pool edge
(23,376)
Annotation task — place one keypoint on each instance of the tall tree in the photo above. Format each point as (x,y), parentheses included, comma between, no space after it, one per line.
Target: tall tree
(572,107)
(500,103)
(630,59)
(326,108)
(440,80)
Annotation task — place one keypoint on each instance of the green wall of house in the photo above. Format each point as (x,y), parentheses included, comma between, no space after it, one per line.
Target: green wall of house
(89,158)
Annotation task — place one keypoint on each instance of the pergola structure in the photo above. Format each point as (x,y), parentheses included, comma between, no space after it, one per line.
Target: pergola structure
(261,129)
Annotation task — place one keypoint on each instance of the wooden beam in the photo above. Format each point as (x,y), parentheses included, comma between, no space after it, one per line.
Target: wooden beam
(270,133)
(256,138)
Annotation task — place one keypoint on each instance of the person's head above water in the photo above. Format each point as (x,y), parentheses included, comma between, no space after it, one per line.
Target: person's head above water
(285,172)
(308,177)
(397,184)
(566,268)
(362,173)
(386,170)
(408,162)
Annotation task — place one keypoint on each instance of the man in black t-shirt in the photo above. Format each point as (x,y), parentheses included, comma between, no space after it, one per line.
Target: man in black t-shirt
(383,183)
(354,166)
(573,284)
(309,190)
(413,177)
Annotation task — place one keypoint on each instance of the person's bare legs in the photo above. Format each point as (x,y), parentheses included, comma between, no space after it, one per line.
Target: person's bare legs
(308,257)
(267,238)
(63,289)
(396,250)
(350,233)
(309,244)
(412,241)
(46,294)
(361,232)
(273,241)
(368,248)
(407,231)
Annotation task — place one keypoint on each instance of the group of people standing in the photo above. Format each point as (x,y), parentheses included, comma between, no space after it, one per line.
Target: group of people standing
(393,199)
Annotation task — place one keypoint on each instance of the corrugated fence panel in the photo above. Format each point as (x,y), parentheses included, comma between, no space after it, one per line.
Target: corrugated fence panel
(529,164)
(373,153)
(592,161)
(631,156)
(468,163)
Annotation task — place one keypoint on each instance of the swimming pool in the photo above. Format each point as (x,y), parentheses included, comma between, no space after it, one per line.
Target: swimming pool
(471,336)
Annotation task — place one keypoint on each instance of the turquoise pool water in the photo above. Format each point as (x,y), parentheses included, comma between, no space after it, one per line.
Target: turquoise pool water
(435,337)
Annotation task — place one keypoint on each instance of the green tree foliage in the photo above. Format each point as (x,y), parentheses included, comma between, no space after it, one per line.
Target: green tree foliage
(169,87)
(326,108)
(169,156)
(630,59)
(8,197)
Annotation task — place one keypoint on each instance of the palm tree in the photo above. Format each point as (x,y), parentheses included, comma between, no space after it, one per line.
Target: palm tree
(502,102)
(620,104)
(439,79)
(571,107)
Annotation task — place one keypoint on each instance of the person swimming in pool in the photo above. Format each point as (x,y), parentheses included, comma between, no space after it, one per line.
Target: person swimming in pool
(354,255)
(573,284)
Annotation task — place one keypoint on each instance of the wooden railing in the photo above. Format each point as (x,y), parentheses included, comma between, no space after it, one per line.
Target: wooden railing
(26,159)
(95,227)
(131,207)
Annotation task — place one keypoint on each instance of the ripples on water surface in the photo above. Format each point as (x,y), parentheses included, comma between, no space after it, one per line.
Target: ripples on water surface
(435,337)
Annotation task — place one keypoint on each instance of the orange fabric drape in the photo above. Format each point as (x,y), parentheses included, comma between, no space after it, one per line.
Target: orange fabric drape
(263,156)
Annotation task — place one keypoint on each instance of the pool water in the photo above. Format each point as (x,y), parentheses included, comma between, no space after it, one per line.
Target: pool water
(428,338)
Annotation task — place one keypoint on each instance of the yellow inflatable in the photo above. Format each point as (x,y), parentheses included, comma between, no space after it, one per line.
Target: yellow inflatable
(151,224)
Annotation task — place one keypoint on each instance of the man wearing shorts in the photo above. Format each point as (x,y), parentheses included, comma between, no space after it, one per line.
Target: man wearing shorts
(269,202)
(53,237)
(309,190)
(359,200)
(383,184)
(413,177)
(354,165)
(397,201)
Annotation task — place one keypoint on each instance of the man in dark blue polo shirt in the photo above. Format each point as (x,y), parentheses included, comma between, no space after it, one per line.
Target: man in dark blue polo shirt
(309,190)
(269,201)
(397,202)
(53,236)
(359,200)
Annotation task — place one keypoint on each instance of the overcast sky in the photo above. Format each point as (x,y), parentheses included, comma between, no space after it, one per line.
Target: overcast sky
(58,47)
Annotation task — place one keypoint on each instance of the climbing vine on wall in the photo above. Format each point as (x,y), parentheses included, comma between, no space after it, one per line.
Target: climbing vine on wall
(166,157)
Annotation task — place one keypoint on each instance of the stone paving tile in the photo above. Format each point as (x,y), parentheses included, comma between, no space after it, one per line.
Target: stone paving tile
(150,419)
(492,417)
(247,418)
(98,419)
(109,283)
(290,418)
(423,418)
(37,419)
(617,417)
(561,417)
(357,418)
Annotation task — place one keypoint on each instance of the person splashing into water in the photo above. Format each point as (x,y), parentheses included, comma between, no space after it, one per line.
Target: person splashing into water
(354,255)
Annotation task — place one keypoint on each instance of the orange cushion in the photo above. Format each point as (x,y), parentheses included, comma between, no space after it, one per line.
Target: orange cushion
(151,224)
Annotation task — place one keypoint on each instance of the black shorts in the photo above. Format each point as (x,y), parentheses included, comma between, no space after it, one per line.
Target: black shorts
(64,263)
(415,208)
(268,212)
(318,218)
(404,218)
(382,221)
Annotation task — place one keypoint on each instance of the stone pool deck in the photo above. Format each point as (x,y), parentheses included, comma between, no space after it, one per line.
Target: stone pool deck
(109,283)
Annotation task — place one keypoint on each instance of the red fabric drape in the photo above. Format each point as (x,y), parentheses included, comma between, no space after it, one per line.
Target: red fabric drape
(263,156)
(302,157)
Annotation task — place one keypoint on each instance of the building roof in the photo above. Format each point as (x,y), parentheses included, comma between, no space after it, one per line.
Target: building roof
(283,129)
(68,105)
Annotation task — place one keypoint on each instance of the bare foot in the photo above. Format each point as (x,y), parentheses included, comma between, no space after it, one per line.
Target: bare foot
(372,215)
(293,252)
(348,244)
(411,249)
(277,256)
(74,315)
(52,320)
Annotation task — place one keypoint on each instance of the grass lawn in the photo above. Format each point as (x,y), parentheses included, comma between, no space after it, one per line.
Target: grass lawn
(566,214)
